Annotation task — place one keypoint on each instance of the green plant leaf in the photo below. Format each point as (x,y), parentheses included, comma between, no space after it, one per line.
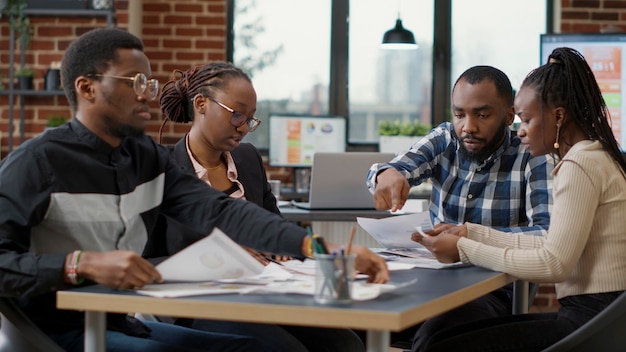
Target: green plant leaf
(398,128)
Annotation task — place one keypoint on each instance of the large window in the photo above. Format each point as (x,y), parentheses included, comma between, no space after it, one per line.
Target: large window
(503,34)
(286,45)
(388,84)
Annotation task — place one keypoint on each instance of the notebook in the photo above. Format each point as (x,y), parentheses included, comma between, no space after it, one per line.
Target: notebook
(338,180)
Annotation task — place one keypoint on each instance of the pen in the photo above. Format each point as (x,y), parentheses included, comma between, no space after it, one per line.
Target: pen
(343,290)
(321,243)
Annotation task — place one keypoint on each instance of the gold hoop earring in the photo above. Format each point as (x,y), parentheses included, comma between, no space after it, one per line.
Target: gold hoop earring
(556,142)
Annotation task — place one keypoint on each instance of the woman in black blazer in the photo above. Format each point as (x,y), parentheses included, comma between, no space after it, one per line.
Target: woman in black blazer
(220,100)
(250,172)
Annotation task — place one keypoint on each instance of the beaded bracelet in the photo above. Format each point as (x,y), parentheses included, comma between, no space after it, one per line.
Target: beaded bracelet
(72,274)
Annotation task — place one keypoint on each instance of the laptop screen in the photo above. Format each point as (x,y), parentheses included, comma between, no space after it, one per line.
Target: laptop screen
(338,180)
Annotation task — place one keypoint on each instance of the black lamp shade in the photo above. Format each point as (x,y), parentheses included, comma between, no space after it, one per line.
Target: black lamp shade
(398,35)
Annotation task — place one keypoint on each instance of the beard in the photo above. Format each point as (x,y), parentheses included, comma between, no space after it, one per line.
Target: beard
(123,130)
(488,150)
(130,131)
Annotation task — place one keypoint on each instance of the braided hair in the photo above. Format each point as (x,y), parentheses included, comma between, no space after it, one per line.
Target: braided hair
(177,95)
(567,81)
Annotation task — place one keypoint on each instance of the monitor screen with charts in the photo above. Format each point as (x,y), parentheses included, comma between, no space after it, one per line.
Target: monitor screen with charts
(295,138)
(606,55)
(338,180)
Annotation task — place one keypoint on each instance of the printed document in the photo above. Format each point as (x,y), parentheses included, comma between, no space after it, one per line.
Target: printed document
(215,257)
(394,235)
(395,231)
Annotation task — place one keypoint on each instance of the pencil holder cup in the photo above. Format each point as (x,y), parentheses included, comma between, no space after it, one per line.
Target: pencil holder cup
(334,276)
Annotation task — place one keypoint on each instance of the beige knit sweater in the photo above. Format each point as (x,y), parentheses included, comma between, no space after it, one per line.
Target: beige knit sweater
(585,248)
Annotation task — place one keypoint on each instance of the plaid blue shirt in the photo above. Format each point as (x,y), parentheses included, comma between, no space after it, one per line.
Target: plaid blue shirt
(511,191)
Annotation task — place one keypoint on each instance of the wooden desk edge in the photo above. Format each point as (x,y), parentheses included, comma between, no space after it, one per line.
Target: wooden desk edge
(453,300)
(319,316)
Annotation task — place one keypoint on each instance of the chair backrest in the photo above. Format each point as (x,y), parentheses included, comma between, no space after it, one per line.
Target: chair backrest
(19,334)
(606,332)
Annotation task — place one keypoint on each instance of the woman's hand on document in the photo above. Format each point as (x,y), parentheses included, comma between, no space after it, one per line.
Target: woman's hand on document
(441,241)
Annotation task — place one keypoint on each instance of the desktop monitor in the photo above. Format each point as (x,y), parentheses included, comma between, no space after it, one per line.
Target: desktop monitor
(295,138)
(606,55)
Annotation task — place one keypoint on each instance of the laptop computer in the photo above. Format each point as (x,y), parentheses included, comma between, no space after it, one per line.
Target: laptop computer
(338,180)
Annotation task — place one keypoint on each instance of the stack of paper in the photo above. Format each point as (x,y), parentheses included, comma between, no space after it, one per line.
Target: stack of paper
(218,265)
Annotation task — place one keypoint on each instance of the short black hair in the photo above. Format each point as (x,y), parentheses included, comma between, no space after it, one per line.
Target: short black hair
(477,74)
(91,53)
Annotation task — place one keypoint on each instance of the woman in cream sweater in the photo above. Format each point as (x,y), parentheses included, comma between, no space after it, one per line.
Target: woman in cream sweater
(562,113)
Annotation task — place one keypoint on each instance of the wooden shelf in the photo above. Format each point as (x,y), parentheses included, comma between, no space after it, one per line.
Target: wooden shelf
(33,92)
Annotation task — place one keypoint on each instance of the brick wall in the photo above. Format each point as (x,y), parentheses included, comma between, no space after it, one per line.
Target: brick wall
(176,35)
(592,16)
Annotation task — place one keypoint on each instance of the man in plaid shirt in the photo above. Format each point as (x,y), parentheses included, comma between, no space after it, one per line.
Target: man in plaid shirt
(480,173)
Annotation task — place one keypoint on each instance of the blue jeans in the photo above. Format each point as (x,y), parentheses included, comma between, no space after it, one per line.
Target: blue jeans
(524,332)
(163,338)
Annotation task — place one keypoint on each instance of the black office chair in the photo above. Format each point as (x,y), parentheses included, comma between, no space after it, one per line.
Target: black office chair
(19,334)
(606,332)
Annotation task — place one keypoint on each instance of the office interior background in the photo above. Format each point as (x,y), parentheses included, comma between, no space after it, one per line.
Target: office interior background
(320,57)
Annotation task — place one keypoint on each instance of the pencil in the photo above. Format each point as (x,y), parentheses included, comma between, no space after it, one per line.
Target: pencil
(349,246)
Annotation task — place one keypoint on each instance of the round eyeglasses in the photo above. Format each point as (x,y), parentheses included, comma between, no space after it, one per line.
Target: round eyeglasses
(143,87)
(238,119)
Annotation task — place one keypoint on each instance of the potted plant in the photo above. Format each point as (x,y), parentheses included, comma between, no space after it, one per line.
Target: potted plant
(396,136)
(18,21)
(25,78)
(55,120)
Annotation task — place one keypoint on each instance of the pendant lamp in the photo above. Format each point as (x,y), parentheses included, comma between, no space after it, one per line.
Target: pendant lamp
(399,37)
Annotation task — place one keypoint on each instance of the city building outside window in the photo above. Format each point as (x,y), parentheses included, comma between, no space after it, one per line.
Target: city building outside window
(285,46)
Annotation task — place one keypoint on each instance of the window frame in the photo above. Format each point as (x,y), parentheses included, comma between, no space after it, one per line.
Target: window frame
(339,58)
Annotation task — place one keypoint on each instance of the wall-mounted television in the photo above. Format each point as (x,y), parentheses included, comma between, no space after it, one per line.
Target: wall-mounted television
(295,138)
(606,55)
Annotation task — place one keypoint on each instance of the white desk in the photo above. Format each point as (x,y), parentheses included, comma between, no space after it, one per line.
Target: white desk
(435,292)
